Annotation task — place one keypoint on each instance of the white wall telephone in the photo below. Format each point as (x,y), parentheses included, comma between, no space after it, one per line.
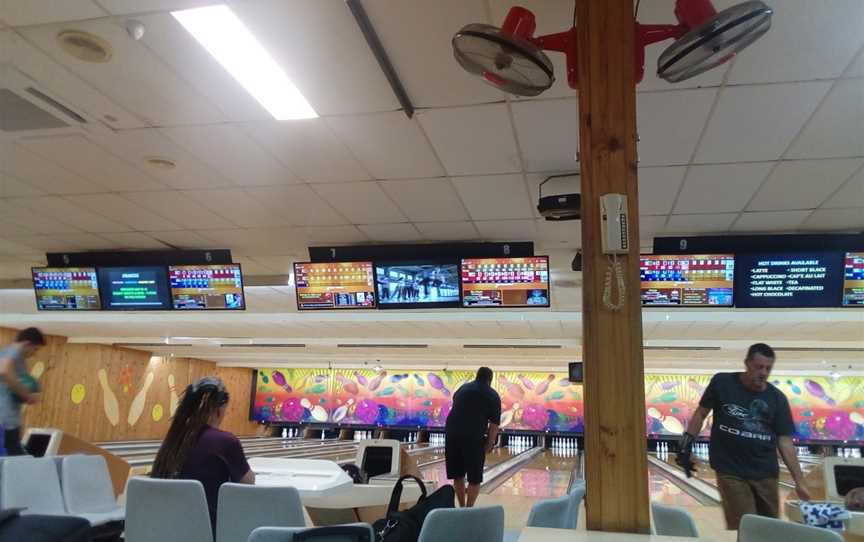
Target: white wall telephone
(615,237)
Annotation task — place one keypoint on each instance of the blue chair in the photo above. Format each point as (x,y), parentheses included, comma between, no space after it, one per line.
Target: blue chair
(353,532)
(559,513)
(669,521)
(243,507)
(179,505)
(464,525)
(762,529)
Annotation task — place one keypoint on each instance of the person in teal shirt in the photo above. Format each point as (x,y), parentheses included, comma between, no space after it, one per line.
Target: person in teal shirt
(17,387)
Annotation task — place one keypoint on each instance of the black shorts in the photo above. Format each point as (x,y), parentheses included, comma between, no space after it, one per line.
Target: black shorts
(465,456)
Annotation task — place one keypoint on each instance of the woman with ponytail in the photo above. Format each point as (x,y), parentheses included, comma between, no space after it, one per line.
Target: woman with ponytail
(195,448)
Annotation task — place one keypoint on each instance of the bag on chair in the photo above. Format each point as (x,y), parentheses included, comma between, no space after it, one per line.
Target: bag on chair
(404,526)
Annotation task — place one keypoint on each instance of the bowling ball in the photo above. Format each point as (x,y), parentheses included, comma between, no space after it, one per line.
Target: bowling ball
(29,382)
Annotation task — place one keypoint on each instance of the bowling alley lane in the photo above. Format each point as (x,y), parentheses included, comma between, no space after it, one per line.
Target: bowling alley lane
(438,471)
(546,476)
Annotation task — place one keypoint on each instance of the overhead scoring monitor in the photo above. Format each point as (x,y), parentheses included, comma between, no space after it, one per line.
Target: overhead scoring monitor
(202,287)
(417,284)
(692,280)
(789,279)
(334,285)
(853,280)
(505,282)
(66,288)
(134,288)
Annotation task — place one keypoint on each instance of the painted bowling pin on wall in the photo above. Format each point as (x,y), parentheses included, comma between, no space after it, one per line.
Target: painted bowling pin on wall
(137,407)
(109,400)
(175,400)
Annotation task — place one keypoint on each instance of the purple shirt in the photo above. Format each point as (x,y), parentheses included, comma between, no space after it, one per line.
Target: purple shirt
(216,458)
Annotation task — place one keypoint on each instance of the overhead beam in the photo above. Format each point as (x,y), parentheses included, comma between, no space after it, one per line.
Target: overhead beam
(616,464)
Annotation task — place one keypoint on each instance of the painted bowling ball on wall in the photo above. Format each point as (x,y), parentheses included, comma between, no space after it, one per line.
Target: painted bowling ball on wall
(292,410)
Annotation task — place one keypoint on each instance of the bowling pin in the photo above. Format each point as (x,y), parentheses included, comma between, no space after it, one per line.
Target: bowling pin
(284,433)
(342,411)
(175,400)
(109,400)
(139,401)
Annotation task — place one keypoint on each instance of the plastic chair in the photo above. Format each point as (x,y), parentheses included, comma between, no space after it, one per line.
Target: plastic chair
(559,513)
(464,525)
(159,510)
(353,532)
(33,484)
(243,507)
(87,489)
(762,529)
(669,521)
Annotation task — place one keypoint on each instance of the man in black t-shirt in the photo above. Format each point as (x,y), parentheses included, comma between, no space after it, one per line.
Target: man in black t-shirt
(752,420)
(472,429)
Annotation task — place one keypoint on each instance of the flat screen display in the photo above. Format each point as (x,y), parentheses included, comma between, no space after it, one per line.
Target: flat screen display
(691,280)
(853,280)
(207,287)
(505,282)
(134,288)
(334,285)
(788,279)
(66,289)
(417,285)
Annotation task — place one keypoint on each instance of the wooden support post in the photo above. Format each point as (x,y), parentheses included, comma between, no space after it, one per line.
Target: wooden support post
(616,464)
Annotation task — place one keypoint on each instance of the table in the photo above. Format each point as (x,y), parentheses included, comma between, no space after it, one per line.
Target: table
(537,534)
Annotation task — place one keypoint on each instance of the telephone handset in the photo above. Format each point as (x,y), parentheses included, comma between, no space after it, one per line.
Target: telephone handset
(615,239)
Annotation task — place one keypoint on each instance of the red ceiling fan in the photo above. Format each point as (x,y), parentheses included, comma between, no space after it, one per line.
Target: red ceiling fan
(511,58)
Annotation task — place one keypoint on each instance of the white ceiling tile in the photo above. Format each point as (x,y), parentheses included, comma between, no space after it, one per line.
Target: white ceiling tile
(447,231)
(183,209)
(803,184)
(181,239)
(560,232)
(9,229)
(322,50)
(55,244)
(805,42)
(134,241)
(424,200)
(298,205)
(835,130)
(340,235)
(472,140)
(650,225)
(83,157)
(707,223)
(548,132)
(239,207)
(70,214)
(758,122)
(137,145)
(127,7)
(134,76)
(566,184)
(21,13)
(391,233)
(721,188)
(233,153)
(123,211)
(669,124)
(43,174)
(309,149)
(11,248)
(765,221)
(657,189)
(494,197)
(850,195)
(389,145)
(179,50)
(836,219)
(361,203)
(416,35)
(507,230)
(857,67)
(265,240)
(86,241)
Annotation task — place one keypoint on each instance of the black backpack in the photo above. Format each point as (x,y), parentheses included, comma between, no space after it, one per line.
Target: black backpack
(405,526)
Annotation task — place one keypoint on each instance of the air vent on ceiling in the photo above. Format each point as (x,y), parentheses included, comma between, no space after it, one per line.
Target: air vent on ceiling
(38,94)
(271,345)
(20,115)
(811,349)
(149,345)
(515,346)
(382,345)
(85,46)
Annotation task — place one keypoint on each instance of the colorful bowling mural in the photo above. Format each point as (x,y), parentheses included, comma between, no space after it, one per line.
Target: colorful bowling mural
(823,408)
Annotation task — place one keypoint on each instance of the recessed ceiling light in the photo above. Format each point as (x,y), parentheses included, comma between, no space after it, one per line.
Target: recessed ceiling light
(160,162)
(85,46)
(225,37)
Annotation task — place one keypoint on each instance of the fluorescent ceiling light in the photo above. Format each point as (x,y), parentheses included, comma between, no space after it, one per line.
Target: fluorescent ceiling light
(225,37)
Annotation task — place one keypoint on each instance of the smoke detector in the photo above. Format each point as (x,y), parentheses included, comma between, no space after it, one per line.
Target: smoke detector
(85,46)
